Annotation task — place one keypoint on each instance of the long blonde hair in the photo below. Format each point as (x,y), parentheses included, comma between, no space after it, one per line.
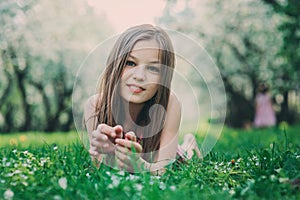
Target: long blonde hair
(109,98)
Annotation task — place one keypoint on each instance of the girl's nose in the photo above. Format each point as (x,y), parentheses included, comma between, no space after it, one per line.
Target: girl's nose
(139,73)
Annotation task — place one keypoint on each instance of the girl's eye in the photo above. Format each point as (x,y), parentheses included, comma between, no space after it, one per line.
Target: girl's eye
(130,63)
(153,69)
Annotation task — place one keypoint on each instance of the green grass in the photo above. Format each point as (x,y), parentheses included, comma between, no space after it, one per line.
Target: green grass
(244,164)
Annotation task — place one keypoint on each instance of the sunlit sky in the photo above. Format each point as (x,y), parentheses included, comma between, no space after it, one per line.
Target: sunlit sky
(125,13)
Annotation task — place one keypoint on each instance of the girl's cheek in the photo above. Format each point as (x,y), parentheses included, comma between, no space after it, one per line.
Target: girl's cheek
(125,72)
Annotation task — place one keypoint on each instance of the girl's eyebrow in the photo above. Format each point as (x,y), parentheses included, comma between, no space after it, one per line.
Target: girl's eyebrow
(152,62)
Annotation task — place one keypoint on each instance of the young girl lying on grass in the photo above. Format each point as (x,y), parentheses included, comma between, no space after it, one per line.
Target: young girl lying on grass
(134,118)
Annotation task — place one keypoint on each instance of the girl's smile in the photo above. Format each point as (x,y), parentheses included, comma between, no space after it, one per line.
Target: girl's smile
(135,88)
(141,74)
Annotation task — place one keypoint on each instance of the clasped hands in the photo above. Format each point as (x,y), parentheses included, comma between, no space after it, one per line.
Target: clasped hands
(112,140)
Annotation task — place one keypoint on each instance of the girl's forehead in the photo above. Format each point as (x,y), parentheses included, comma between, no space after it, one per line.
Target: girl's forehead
(146,44)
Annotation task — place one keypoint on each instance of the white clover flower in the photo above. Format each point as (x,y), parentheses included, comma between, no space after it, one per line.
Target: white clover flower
(57,197)
(278,170)
(62,182)
(231,192)
(173,187)
(282,180)
(162,185)
(8,194)
(87,174)
(121,172)
(139,187)
(55,148)
(132,177)
(272,177)
(115,180)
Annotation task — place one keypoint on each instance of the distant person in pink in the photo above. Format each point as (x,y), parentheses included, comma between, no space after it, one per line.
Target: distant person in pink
(264,112)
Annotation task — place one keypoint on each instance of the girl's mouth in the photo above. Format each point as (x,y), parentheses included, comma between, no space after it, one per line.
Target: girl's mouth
(135,89)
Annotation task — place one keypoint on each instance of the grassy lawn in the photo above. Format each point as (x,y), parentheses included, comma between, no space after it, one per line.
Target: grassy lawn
(244,164)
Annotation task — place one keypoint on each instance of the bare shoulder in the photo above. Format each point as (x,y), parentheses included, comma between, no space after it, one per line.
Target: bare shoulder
(173,113)
(90,106)
(91,102)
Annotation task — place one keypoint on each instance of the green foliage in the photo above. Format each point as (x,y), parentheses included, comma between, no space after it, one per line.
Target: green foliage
(42,45)
(243,39)
(245,164)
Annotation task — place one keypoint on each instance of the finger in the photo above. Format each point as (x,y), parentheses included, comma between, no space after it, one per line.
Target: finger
(122,157)
(107,130)
(118,131)
(93,153)
(122,165)
(130,136)
(94,143)
(130,144)
(126,165)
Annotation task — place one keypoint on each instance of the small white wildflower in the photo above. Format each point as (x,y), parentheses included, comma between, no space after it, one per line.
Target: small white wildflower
(25,152)
(62,182)
(139,187)
(162,186)
(25,183)
(115,181)
(87,174)
(272,177)
(55,148)
(7,164)
(282,180)
(14,151)
(8,194)
(132,177)
(278,170)
(121,172)
(173,187)
(57,197)
(231,192)
(108,173)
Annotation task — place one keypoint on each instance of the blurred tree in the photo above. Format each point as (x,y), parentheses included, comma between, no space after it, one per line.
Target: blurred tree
(289,52)
(42,44)
(242,39)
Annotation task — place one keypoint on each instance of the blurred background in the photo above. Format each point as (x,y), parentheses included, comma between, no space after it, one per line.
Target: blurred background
(43,43)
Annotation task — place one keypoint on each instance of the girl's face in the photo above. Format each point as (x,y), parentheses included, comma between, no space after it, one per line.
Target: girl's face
(141,75)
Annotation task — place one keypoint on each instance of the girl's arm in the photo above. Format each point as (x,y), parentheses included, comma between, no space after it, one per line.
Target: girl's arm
(168,144)
(169,137)
(101,137)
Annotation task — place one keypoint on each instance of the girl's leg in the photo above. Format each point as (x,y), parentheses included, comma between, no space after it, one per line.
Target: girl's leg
(190,146)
